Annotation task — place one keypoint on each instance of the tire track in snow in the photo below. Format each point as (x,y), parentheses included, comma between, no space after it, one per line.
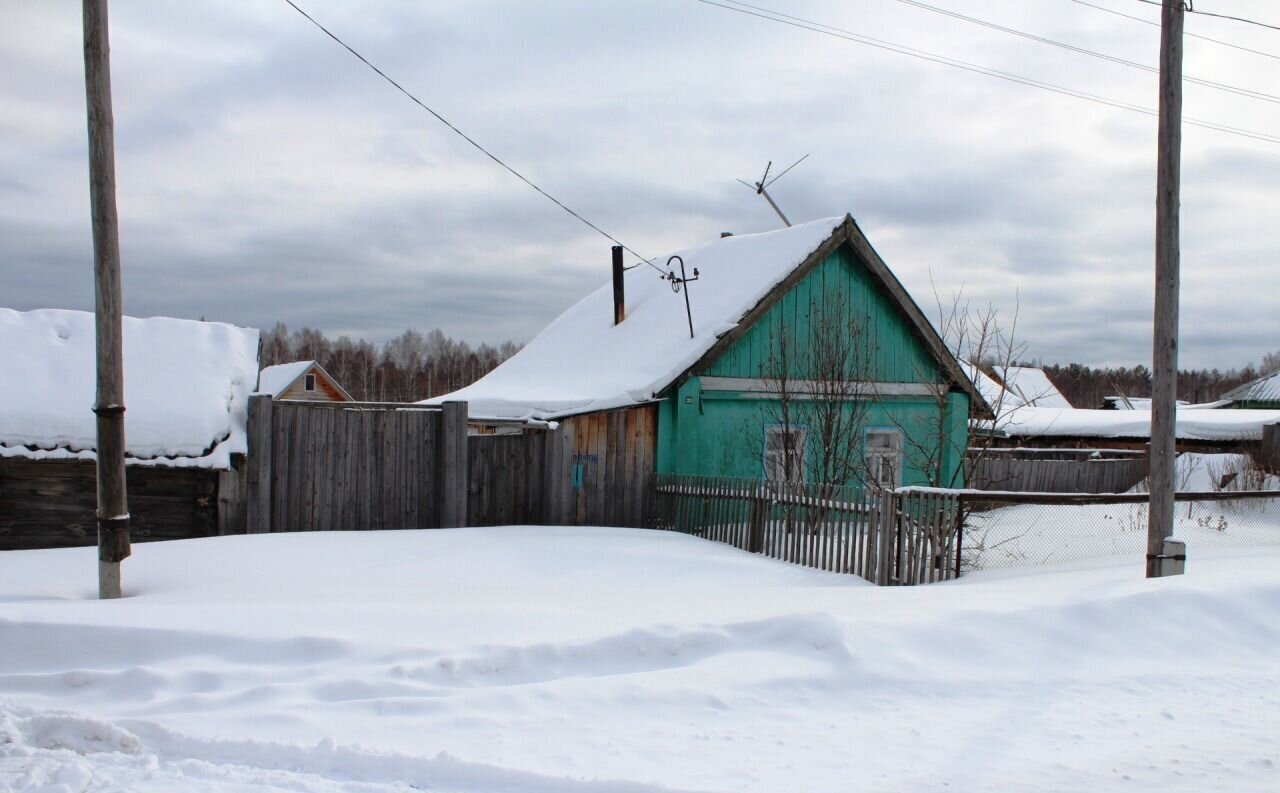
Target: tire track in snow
(50,752)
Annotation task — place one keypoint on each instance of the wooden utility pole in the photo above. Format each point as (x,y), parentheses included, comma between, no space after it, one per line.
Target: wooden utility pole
(113,503)
(1164,347)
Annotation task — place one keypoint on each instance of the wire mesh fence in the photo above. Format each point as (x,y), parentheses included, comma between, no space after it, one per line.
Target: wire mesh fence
(1019,530)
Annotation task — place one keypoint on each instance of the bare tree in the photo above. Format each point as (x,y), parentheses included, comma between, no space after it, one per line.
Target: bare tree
(818,381)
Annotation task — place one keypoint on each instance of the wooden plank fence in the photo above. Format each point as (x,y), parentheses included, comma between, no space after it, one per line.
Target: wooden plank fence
(322,466)
(886,537)
(319,466)
(1270,450)
(1055,470)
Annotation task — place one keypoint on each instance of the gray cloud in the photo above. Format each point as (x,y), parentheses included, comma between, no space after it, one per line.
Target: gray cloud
(265,175)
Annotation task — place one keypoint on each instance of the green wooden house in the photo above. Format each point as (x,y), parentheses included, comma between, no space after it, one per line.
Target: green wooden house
(798,355)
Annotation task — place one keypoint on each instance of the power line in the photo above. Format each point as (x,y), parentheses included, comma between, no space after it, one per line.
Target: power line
(470,140)
(1247,92)
(840,33)
(1185,33)
(1191,10)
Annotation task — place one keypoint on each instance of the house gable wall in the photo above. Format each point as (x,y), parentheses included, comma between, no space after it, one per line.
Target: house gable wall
(707,430)
(325,390)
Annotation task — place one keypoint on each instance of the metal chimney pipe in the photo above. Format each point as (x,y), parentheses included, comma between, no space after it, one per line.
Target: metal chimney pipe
(619,298)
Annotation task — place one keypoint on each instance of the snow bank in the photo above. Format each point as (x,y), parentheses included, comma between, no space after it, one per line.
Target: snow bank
(582,362)
(608,661)
(186,387)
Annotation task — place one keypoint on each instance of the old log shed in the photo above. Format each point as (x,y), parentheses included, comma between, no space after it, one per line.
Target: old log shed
(51,503)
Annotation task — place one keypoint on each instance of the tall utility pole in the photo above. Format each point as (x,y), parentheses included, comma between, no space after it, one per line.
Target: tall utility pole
(1164,347)
(113,503)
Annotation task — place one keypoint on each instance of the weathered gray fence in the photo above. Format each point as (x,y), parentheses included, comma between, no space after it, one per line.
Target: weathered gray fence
(317,466)
(1269,452)
(1056,470)
(887,537)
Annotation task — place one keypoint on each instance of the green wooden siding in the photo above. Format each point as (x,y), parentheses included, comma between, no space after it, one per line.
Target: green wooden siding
(897,355)
(719,433)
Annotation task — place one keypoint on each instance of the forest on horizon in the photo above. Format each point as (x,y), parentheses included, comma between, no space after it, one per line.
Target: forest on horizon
(416,365)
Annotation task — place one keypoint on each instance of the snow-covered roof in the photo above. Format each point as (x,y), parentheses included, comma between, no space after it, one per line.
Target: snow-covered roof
(274,379)
(997,396)
(583,363)
(1032,386)
(1191,423)
(1264,389)
(187,386)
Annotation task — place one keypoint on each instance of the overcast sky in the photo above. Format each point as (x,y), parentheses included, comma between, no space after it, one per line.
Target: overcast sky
(266,175)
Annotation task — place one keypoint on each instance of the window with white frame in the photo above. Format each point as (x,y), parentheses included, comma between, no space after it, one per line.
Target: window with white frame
(309,383)
(884,457)
(783,446)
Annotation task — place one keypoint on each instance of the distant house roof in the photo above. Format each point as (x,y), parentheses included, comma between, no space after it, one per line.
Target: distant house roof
(583,363)
(187,386)
(1264,389)
(1032,386)
(275,380)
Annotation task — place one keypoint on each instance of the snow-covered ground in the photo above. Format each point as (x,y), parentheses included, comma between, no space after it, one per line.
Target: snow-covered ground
(595,659)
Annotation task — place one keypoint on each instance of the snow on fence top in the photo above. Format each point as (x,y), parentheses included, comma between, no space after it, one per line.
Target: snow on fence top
(187,386)
(582,362)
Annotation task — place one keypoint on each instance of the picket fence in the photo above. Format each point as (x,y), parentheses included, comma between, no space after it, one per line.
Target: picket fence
(909,536)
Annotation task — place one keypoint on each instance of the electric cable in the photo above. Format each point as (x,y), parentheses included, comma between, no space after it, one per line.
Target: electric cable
(470,140)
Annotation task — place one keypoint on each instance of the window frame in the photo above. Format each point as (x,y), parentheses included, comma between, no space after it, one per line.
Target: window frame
(876,457)
(771,461)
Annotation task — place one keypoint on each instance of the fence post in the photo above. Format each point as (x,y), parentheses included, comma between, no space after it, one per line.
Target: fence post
(759,514)
(258,477)
(555,477)
(453,465)
(887,531)
(1271,448)
(959,543)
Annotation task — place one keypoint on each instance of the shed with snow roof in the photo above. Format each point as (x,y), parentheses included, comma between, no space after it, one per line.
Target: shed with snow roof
(187,386)
(302,380)
(794,331)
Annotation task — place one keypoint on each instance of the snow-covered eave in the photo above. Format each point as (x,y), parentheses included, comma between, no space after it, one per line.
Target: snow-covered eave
(218,458)
(532,413)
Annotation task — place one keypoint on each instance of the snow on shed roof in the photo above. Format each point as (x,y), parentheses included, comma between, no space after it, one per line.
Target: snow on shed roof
(275,379)
(1264,389)
(997,396)
(582,362)
(187,386)
(1190,423)
(1032,386)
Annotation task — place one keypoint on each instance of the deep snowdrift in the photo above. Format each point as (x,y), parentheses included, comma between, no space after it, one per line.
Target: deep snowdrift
(550,659)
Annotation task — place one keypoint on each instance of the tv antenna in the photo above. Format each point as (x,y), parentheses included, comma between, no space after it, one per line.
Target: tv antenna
(761,187)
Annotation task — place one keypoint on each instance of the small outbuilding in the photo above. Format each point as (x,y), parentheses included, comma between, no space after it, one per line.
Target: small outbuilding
(187,387)
(302,380)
